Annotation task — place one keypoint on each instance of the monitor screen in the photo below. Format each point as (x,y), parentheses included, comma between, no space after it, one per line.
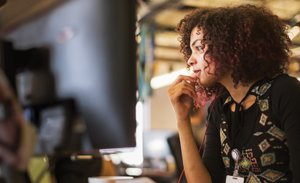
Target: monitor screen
(73,66)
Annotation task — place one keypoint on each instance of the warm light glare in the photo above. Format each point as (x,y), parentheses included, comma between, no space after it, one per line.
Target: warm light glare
(136,157)
(139,112)
(133,171)
(156,145)
(293,32)
(168,79)
(84,157)
(138,39)
(297,18)
(115,159)
(295,51)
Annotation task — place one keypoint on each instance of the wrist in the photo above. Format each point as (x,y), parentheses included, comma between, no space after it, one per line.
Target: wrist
(184,124)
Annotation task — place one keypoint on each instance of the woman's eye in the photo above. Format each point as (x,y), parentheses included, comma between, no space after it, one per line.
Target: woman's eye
(200,48)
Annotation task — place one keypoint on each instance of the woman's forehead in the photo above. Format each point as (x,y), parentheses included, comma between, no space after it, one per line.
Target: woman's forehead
(196,33)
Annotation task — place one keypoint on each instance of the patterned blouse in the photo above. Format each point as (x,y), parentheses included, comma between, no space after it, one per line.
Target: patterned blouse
(268,140)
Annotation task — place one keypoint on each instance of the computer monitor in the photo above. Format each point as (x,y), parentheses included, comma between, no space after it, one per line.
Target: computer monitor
(79,57)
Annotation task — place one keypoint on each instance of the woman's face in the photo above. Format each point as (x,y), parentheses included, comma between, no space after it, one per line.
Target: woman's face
(203,70)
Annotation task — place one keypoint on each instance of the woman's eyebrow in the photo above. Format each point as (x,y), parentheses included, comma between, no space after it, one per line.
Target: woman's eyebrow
(195,42)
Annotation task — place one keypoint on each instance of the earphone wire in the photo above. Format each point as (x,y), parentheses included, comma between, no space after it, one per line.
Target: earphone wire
(208,119)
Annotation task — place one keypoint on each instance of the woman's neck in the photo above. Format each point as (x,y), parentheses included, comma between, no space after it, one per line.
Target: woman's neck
(239,92)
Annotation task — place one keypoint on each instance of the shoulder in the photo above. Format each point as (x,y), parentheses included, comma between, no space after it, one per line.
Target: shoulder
(285,97)
(285,88)
(285,84)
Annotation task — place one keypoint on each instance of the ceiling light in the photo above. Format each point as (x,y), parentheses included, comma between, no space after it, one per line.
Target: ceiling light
(293,32)
(168,79)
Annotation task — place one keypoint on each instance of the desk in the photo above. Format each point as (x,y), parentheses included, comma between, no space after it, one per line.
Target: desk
(158,176)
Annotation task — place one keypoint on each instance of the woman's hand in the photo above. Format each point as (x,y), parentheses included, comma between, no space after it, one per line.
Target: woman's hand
(181,94)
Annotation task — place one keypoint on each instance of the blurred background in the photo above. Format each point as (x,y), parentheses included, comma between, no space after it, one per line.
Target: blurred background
(158,151)
(157,154)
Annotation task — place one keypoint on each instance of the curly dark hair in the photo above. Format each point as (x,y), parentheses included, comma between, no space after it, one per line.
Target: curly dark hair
(251,41)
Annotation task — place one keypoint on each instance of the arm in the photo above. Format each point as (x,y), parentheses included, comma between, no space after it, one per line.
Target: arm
(180,94)
(286,102)
(195,170)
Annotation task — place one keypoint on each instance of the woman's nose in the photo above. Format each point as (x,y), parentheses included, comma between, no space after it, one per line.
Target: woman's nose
(192,61)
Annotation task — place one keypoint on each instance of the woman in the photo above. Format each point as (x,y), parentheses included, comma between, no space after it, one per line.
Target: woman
(238,54)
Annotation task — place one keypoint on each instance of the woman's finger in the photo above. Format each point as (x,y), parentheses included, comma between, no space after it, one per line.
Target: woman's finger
(178,91)
(181,86)
(182,78)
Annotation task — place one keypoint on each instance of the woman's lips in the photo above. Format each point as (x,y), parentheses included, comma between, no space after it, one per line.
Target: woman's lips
(196,73)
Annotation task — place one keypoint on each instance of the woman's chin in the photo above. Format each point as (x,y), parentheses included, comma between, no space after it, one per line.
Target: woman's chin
(206,83)
(207,80)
